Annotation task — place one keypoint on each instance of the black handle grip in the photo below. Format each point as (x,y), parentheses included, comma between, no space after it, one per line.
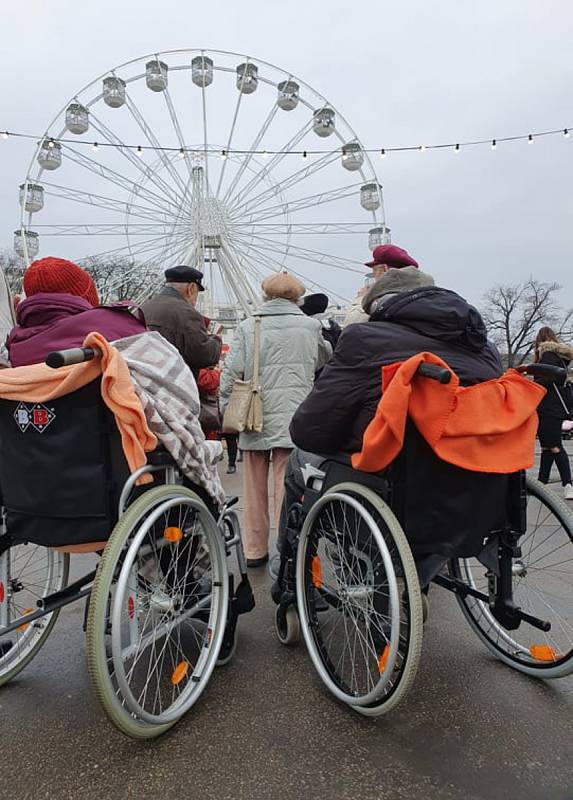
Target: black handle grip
(434,372)
(75,355)
(547,371)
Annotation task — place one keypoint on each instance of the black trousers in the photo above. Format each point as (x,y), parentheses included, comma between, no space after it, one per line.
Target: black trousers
(549,434)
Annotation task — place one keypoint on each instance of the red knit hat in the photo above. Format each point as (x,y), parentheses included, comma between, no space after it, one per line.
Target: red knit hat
(56,275)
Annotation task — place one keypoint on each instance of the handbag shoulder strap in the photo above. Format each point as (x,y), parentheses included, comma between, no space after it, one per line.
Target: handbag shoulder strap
(257,354)
(563,403)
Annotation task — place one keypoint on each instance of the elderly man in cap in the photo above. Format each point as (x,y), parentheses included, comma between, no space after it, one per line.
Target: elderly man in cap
(384,257)
(173,314)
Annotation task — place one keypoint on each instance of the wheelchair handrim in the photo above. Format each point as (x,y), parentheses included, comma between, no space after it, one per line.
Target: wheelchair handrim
(394,600)
(206,663)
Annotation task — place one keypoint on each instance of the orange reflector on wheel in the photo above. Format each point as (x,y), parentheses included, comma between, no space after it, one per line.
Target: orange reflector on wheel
(383,659)
(2,592)
(316,572)
(25,625)
(173,534)
(543,652)
(131,606)
(179,673)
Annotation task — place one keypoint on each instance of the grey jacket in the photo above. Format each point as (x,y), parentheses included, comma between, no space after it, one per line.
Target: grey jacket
(292,349)
(182,325)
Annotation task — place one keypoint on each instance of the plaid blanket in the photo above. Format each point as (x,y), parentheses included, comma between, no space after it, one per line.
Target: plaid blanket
(170,399)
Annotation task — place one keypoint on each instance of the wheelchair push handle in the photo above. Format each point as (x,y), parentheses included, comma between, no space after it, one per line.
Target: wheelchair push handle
(75,355)
(434,372)
(547,371)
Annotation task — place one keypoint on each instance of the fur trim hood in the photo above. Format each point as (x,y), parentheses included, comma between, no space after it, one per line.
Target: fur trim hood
(564,351)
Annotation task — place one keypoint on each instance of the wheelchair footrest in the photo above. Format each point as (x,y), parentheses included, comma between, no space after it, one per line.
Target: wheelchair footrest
(243,599)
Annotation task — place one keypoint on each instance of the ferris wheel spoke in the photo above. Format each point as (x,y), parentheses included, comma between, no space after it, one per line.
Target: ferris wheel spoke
(118,179)
(302,228)
(296,177)
(205,137)
(230,276)
(273,163)
(265,256)
(102,229)
(305,254)
(130,248)
(99,201)
(231,133)
(238,266)
(254,146)
(177,127)
(300,204)
(135,160)
(154,142)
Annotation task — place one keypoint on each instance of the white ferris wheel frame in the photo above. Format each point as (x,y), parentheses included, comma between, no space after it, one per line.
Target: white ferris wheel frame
(235,271)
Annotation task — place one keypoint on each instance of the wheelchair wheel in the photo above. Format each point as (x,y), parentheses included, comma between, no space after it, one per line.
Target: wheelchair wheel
(543,587)
(359,599)
(157,612)
(28,572)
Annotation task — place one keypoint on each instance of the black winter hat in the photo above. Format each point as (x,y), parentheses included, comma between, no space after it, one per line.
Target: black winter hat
(183,274)
(314,304)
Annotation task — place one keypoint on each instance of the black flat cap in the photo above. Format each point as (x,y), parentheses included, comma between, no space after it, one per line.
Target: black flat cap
(184,274)
(314,304)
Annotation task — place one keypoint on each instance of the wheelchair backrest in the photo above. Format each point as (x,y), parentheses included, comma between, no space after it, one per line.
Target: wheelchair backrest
(61,468)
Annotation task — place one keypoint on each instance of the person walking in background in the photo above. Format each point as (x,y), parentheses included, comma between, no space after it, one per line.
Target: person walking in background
(315,305)
(173,314)
(556,406)
(292,349)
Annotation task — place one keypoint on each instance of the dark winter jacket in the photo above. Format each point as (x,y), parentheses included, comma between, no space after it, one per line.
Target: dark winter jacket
(182,325)
(556,354)
(334,416)
(49,322)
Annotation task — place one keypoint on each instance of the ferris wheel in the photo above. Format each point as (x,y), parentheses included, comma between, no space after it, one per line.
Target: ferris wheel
(204,158)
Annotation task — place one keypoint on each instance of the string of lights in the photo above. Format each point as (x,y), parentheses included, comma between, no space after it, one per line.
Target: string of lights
(183,152)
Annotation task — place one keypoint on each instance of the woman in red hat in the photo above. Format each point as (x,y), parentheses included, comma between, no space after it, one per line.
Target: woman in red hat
(60,309)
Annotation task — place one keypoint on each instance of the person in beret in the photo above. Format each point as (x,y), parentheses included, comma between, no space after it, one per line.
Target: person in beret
(384,257)
(173,314)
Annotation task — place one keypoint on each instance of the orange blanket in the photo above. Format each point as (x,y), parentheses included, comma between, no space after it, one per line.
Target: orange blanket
(489,427)
(39,384)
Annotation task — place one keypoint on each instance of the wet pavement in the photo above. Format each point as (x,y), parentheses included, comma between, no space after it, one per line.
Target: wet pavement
(265,728)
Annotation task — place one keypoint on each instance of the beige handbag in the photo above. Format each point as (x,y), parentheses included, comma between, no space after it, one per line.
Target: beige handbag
(244,410)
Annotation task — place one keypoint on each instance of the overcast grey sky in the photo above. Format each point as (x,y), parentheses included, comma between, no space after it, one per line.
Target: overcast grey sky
(401,72)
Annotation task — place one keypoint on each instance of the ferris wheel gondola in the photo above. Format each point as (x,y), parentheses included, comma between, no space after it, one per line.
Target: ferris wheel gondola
(219,179)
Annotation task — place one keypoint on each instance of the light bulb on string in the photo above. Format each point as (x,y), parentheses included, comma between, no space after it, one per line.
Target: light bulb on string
(457,149)
(5,134)
(139,150)
(51,144)
(530,138)
(95,147)
(382,153)
(181,153)
(265,155)
(566,133)
(223,154)
(304,153)
(422,148)
(493,144)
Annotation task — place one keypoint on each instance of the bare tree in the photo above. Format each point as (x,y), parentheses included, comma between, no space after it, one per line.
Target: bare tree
(121,279)
(514,314)
(115,279)
(13,268)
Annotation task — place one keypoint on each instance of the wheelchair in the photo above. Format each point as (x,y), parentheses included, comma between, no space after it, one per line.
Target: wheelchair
(161,606)
(361,549)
